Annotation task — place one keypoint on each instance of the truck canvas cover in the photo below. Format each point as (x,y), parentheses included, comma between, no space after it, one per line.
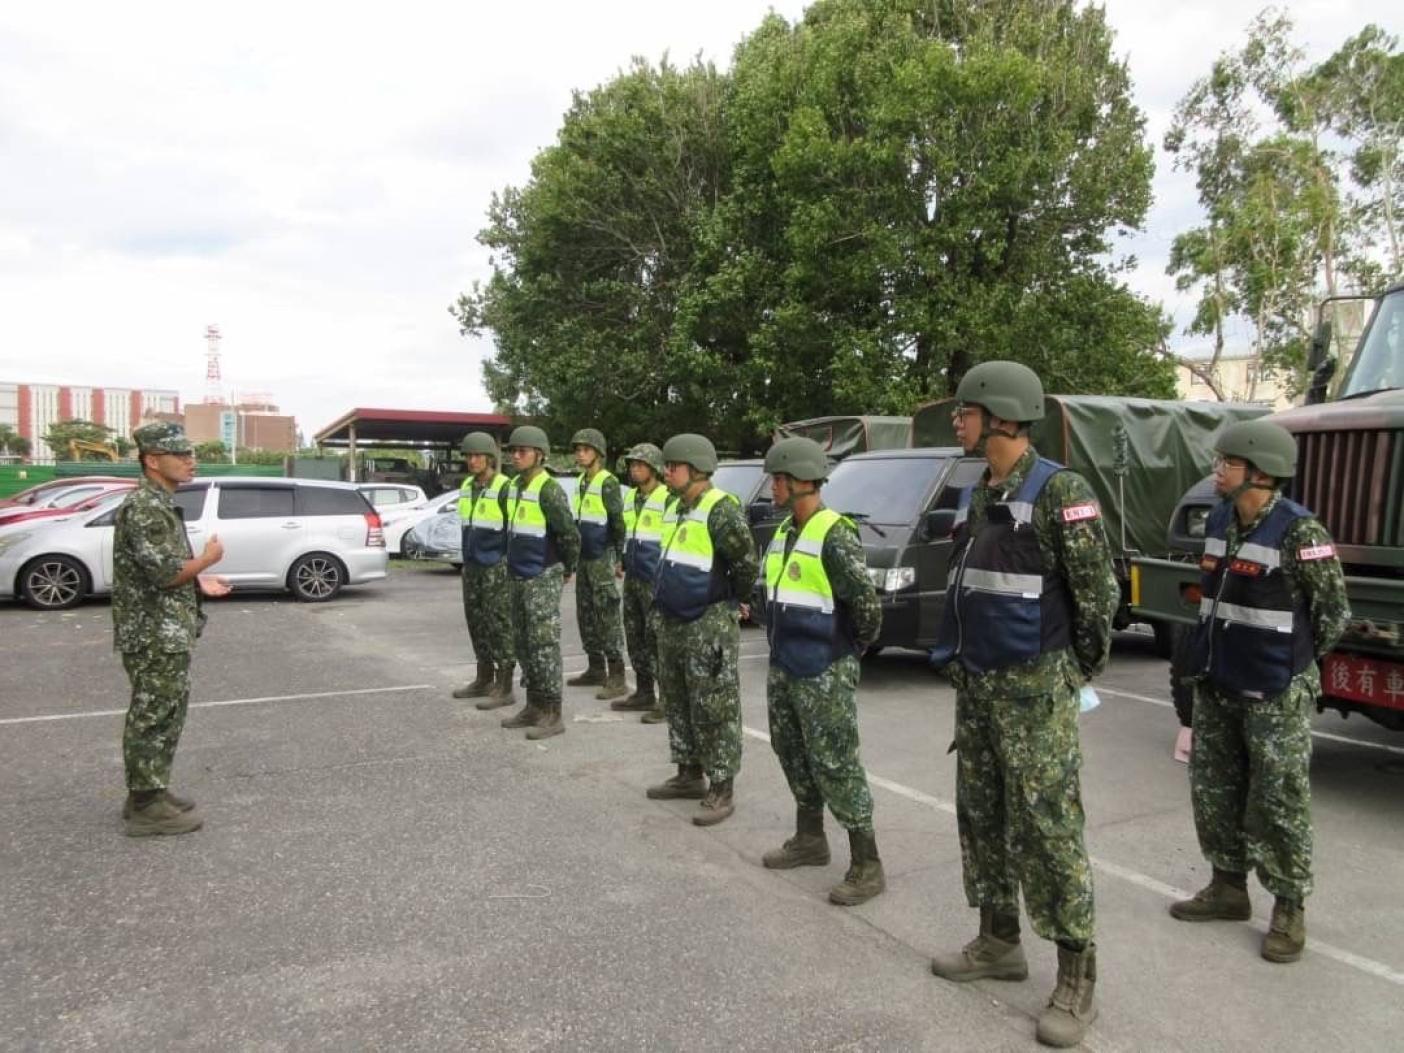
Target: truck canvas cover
(841,436)
(1138,455)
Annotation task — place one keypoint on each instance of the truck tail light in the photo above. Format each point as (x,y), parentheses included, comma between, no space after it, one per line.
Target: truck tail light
(1192,594)
(375,537)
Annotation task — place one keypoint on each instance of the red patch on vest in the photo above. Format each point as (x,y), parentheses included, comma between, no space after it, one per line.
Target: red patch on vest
(1245,567)
(1077,513)
(1209,564)
(1316,552)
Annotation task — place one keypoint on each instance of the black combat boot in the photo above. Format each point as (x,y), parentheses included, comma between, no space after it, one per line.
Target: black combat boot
(481,685)
(808,848)
(593,676)
(501,694)
(1073,1006)
(865,878)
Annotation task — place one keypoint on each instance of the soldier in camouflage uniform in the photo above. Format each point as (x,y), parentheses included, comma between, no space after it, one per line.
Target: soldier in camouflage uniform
(644,524)
(1274,604)
(487,600)
(822,613)
(1027,622)
(156,618)
(708,564)
(599,516)
(543,546)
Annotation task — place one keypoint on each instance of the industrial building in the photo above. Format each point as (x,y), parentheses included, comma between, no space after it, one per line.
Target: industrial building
(31,409)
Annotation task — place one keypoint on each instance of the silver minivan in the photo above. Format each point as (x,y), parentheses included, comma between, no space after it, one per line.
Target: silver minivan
(308,537)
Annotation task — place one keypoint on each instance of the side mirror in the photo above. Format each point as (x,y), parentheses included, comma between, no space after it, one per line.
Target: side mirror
(1321,380)
(939,523)
(758,512)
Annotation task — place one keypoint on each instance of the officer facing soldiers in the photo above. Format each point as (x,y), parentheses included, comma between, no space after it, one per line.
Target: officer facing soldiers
(487,601)
(543,546)
(156,618)
(822,613)
(599,514)
(707,564)
(1274,603)
(1027,621)
(643,544)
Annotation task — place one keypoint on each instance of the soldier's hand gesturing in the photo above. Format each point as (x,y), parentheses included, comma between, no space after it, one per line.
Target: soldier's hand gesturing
(213,586)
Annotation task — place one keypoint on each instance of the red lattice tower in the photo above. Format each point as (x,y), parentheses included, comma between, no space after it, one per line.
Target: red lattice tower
(214,384)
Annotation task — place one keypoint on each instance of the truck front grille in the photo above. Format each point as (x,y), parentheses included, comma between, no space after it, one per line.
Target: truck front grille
(1354,482)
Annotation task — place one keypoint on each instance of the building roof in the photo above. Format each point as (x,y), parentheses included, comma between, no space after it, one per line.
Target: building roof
(396,427)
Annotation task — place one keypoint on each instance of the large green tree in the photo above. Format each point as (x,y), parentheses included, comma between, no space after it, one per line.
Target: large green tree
(12,443)
(61,433)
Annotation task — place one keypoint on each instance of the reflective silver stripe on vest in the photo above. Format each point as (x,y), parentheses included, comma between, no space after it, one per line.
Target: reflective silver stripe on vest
(1277,621)
(808,546)
(491,526)
(1268,557)
(597,518)
(1215,546)
(688,559)
(1021,511)
(529,530)
(1002,582)
(791,598)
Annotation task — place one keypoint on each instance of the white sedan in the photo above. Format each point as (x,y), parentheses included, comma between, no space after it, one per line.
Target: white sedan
(396,523)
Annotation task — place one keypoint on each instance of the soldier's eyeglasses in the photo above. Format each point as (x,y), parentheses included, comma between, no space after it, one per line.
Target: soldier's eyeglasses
(1221,462)
(962,410)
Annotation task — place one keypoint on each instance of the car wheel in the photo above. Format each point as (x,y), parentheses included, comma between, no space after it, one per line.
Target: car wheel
(54,583)
(316,577)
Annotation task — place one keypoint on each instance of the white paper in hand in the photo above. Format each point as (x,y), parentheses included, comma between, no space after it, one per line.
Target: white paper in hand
(1087,699)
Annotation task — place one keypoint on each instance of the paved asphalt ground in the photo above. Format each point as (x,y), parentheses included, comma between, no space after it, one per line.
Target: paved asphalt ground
(384,867)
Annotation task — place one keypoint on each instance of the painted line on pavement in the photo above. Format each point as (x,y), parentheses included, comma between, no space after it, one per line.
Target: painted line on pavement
(1327,735)
(50,717)
(1135,877)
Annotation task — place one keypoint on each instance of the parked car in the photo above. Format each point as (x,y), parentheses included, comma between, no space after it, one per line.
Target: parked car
(397,524)
(31,494)
(436,537)
(392,497)
(309,537)
(59,499)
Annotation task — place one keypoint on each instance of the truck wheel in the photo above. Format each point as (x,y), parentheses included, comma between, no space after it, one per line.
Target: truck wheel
(1166,634)
(1180,691)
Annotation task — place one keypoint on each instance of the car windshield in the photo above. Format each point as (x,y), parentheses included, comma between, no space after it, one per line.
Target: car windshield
(1379,365)
(738,480)
(884,491)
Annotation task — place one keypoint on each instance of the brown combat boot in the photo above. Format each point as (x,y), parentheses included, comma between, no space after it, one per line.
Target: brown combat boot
(183,804)
(549,723)
(1286,935)
(689,784)
(642,699)
(481,685)
(154,815)
(592,676)
(1225,898)
(615,685)
(808,848)
(995,954)
(501,694)
(717,804)
(525,717)
(865,878)
(654,716)
(1073,1006)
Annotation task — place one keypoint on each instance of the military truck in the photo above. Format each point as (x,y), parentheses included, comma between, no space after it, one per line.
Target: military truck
(1350,472)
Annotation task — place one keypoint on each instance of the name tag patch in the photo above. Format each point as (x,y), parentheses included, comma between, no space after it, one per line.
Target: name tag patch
(1078,513)
(1316,552)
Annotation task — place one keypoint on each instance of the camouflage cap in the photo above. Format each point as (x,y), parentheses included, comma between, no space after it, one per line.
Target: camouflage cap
(649,454)
(162,437)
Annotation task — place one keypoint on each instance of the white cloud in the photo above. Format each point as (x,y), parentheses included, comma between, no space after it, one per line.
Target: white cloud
(311,176)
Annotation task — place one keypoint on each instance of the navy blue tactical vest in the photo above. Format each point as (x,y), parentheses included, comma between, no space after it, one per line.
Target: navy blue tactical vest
(530,548)
(485,539)
(1003,606)
(1251,639)
(691,573)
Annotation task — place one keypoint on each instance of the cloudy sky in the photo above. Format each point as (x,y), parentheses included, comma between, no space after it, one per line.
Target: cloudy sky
(310,176)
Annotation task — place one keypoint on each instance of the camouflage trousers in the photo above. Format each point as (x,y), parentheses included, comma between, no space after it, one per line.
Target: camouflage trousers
(1250,784)
(814,733)
(160,694)
(1019,810)
(699,685)
(597,608)
(536,632)
(638,626)
(487,606)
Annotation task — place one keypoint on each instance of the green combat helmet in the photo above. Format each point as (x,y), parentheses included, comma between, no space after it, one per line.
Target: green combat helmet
(1269,447)
(696,450)
(591,437)
(1008,390)
(646,453)
(799,458)
(162,437)
(480,442)
(530,437)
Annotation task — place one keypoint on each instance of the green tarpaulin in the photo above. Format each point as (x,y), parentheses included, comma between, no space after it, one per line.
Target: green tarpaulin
(841,436)
(1139,455)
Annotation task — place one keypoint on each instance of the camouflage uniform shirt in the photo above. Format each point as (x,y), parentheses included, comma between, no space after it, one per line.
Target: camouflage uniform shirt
(1078,553)
(149,547)
(560,523)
